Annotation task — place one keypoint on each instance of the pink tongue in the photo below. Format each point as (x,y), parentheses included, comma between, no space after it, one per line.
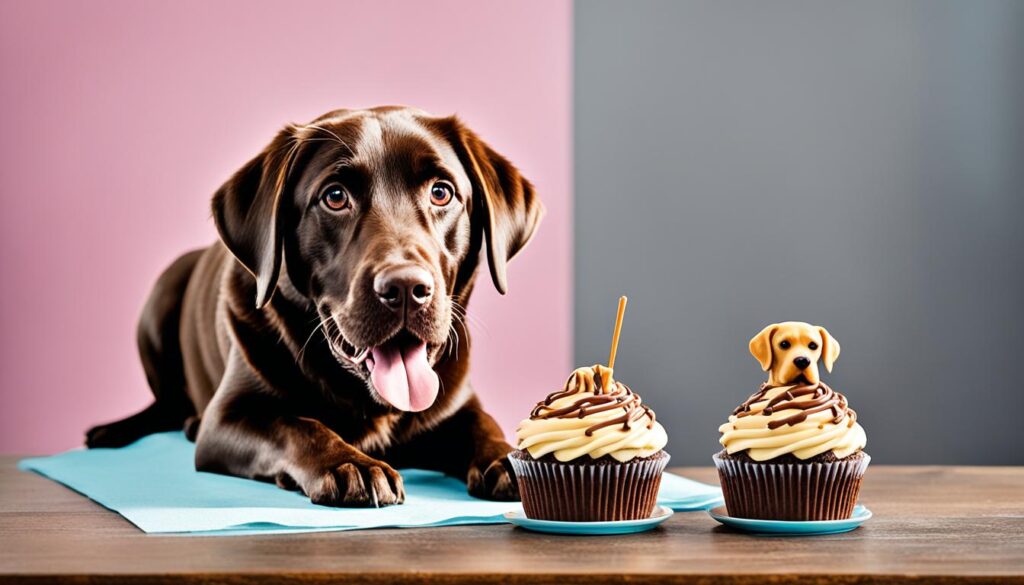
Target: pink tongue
(403,377)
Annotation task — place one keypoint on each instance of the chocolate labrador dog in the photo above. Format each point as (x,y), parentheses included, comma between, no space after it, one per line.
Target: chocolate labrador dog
(322,343)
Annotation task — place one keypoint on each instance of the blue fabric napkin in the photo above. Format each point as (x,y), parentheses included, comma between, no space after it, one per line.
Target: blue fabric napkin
(154,485)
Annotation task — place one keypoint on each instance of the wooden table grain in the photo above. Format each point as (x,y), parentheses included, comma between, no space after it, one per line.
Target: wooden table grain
(931,525)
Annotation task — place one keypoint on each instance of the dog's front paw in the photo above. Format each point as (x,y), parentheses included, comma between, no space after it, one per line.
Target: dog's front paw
(493,479)
(362,483)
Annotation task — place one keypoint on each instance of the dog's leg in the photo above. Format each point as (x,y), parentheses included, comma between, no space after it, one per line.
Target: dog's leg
(247,431)
(152,419)
(159,348)
(470,446)
(489,474)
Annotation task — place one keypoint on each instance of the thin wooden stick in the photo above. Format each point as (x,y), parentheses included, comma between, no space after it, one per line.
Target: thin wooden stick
(618,329)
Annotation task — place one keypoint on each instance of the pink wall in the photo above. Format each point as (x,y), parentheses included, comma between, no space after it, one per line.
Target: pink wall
(118,119)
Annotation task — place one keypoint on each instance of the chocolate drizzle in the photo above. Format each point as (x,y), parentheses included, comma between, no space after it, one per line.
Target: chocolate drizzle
(607,394)
(807,398)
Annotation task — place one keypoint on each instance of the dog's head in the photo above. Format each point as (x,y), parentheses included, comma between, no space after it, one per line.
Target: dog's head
(377,218)
(790,351)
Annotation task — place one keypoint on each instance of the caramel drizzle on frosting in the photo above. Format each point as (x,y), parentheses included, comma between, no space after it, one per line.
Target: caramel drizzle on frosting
(820,397)
(608,394)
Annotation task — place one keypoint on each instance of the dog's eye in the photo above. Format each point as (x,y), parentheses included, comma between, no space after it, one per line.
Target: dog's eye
(784,344)
(335,198)
(441,193)
(812,345)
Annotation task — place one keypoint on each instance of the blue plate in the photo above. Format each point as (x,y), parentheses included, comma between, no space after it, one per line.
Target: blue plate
(792,528)
(660,514)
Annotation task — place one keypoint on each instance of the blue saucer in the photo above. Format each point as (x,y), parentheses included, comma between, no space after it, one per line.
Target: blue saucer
(793,528)
(660,514)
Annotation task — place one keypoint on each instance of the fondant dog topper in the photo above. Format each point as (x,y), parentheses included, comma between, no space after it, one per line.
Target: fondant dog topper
(790,350)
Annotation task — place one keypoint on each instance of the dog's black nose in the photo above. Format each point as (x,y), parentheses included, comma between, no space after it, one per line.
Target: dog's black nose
(801,362)
(404,284)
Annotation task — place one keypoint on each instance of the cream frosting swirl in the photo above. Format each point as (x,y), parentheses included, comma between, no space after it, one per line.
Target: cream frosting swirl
(592,415)
(802,419)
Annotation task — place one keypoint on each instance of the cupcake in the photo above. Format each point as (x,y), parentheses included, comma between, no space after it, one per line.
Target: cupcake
(590,452)
(794,449)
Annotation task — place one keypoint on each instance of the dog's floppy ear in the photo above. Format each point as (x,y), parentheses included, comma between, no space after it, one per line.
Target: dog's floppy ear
(503,201)
(761,346)
(246,210)
(829,348)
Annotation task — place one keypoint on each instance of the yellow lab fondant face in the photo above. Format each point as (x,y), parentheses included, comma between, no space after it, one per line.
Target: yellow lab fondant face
(790,350)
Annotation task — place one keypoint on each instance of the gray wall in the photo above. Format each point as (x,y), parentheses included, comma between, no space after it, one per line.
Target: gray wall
(858,165)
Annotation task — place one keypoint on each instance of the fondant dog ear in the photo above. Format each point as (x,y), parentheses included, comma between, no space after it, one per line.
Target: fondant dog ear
(829,348)
(503,204)
(761,346)
(247,212)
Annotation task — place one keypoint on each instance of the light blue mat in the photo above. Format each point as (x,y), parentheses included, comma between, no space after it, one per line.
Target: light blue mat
(154,485)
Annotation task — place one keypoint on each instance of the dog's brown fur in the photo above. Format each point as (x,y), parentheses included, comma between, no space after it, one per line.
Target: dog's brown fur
(245,335)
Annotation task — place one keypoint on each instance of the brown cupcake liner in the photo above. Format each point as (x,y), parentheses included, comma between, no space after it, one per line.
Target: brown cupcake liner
(589,491)
(791,491)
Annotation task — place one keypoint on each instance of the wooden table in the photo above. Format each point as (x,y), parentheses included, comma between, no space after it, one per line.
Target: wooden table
(931,525)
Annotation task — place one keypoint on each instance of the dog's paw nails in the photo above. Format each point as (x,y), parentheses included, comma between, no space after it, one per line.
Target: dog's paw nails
(371,485)
(501,482)
(475,481)
(495,482)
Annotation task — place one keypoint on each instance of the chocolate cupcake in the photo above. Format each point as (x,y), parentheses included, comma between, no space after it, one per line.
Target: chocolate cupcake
(793,449)
(590,452)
